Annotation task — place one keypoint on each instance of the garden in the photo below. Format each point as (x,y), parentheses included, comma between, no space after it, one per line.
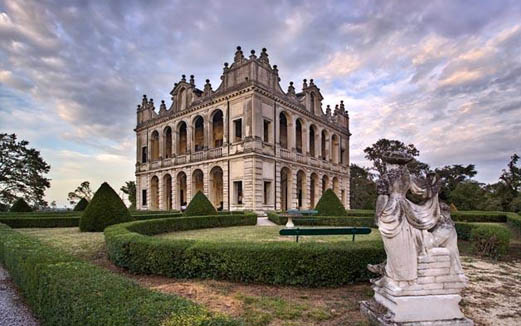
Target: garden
(203,267)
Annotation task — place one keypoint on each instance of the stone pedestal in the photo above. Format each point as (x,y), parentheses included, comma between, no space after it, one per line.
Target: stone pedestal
(433,299)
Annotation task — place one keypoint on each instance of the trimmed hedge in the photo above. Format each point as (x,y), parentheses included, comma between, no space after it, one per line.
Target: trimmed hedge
(514,220)
(199,206)
(65,291)
(62,220)
(81,205)
(41,222)
(490,240)
(129,245)
(105,208)
(20,206)
(330,205)
(324,220)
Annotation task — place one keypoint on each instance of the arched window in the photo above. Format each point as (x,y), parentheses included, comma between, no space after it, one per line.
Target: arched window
(217,129)
(154,142)
(283,129)
(298,134)
(198,134)
(312,141)
(167,134)
(182,147)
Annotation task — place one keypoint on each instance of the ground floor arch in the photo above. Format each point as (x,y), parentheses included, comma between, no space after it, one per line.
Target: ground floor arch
(325,183)
(181,190)
(197,182)
(217,187)
(313,190)
(167,191)
(301,189)
(154,193)
(285,182)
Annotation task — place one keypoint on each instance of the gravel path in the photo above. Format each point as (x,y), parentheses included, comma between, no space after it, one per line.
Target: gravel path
(13,311)
(263,221)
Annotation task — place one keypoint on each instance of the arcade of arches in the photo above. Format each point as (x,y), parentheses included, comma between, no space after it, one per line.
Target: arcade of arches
(299,188)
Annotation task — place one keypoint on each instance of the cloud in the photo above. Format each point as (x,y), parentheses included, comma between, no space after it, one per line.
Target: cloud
(445,75)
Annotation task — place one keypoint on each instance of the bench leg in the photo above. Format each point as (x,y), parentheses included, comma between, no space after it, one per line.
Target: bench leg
(353,237)
(297,238)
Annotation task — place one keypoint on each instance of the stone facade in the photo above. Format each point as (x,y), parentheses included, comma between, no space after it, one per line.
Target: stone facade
(246,145)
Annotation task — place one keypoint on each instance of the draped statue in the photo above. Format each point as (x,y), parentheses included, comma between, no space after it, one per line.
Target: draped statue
(408,229)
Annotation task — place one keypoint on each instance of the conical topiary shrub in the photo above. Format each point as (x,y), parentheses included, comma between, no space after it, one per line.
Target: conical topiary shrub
(330,205)
(20,206)
(105,208)
(81,205)
(200,205)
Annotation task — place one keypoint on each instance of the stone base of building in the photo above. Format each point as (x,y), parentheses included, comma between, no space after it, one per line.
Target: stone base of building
(378,315)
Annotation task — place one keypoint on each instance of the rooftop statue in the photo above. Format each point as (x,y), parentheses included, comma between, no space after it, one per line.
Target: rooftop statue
(422,276)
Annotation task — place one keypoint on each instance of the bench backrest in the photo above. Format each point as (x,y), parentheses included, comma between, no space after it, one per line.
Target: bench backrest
(325,231)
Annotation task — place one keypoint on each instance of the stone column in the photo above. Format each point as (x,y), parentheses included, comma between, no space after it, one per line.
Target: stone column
(307,191)
(189,186)
(161,191)
(207,130)
(189,137)
(292,197)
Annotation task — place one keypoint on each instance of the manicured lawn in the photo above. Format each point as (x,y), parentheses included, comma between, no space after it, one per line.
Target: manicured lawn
(259,234)
(86,245)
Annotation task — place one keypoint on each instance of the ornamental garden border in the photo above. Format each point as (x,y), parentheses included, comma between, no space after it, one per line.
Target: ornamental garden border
(63,290)
(131,246)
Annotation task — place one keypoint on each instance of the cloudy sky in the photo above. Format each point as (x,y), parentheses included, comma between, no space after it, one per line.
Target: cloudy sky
(444,75)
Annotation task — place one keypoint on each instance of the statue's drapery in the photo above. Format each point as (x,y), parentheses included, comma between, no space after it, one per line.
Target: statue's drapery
(401,222)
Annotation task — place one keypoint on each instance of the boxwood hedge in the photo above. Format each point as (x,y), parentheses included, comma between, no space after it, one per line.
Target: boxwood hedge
(64,291)
(490,240)
(129,245)
(60,220)
(324,220)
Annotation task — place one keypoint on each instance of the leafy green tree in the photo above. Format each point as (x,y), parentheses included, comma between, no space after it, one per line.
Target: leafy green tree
(376,152)
(83,191)
(452,175)
(512,176)
(468,195)
(362,188)
(130,190)
(22,172)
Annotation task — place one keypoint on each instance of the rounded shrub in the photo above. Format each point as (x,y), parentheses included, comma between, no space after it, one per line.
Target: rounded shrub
(490,240)
(330,205)
(81,205)
(105,208)
(20,206)
(200,206)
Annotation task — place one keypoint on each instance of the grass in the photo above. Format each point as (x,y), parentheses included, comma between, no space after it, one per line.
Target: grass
(259,234)
(85,245)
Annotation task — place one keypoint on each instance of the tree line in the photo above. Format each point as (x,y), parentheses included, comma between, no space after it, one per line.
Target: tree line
(458,187)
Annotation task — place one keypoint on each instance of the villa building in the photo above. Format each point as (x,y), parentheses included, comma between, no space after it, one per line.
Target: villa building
(246,145)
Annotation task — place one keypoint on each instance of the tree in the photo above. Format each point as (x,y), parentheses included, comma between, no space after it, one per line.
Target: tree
(130,190)
(83,191)
(451,176)
(22,172)
(376,152)
(362,188)
(512,177)
(468,195)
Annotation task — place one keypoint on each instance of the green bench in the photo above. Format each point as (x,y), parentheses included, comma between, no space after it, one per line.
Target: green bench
(325,231)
